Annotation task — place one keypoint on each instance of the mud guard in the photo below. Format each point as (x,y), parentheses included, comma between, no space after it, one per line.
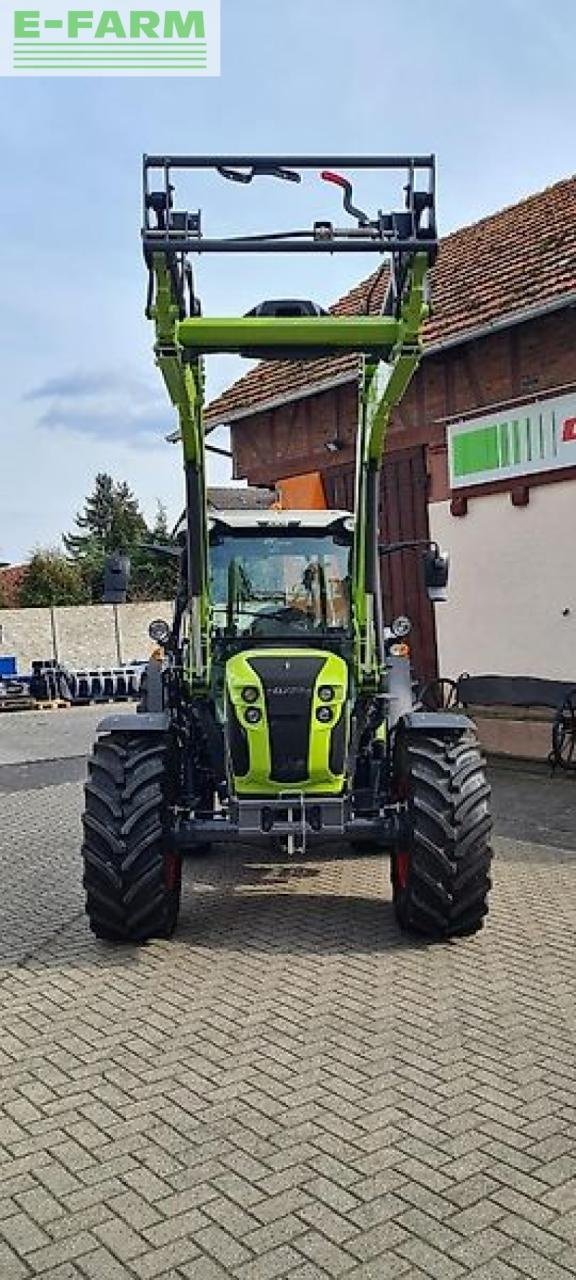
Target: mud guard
(139,722)
(433,722)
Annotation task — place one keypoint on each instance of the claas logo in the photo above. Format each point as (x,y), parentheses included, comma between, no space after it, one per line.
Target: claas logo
(569,431)
(139,23)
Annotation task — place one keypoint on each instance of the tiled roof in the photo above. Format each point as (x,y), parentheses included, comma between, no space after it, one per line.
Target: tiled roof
(11,579)
(520,258)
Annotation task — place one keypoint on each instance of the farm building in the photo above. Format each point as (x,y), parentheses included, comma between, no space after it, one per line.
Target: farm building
(481,453)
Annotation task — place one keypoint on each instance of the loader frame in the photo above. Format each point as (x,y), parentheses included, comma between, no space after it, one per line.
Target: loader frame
(388,343)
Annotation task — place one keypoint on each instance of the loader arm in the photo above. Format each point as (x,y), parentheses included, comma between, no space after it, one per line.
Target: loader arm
(382,386)
(184,381)
(388,344)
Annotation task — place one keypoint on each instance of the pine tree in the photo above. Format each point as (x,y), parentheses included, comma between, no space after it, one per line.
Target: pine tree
(111,521)
(160,530)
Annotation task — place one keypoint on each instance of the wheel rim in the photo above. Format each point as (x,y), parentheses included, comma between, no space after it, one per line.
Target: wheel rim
(402,867)
(564,734)
(440,695)
(172,869)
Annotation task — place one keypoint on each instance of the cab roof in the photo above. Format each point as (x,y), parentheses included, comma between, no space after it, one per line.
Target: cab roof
(314,520)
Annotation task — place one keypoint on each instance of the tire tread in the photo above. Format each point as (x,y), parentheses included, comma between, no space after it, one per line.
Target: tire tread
(448,834)
(125,840)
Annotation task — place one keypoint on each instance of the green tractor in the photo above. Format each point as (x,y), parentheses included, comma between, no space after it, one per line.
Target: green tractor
(283,707)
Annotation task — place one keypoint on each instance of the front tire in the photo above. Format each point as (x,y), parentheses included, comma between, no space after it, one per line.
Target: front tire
(132,874)
(441,866)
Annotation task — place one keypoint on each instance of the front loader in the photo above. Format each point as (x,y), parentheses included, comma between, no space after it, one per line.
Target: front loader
(283,707)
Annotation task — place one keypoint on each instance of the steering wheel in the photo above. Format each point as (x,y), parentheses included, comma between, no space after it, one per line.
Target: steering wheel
(290,616)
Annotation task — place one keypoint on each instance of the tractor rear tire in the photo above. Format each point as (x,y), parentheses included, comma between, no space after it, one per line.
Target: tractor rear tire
(132,874)
(440,867)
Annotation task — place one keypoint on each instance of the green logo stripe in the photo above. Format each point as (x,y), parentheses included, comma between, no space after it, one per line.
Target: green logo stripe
(48,62)
(530,440)
(108,66)
(476,451)
(113,63)
(132,53)
(33,45)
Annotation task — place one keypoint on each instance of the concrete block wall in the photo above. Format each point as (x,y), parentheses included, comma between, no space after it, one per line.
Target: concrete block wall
(97,635)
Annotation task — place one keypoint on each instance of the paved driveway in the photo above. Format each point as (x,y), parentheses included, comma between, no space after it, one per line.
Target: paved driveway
(289,1088)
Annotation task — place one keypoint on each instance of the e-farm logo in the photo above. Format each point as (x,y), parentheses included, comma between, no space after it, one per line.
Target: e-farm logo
(124,41)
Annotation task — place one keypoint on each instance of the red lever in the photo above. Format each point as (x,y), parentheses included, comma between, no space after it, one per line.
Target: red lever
(336,178)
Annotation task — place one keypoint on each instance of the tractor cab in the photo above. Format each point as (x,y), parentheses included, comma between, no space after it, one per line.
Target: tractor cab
(280,576)
(280,586)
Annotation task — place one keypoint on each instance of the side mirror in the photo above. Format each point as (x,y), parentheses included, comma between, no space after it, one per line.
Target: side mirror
(436,573)
(116,578)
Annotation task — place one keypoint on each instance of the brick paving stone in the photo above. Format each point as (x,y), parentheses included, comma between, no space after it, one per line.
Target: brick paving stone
(374,1243)
(387,1267)
(278,1206)
(102,1265)
(483,1247)
(494,1270)
(546,1242)
(184,1224)
(63,1251)
(22,1234)
(169,1256)
(11,1266)
(210,1270)
(218,1244)
(283,1261)
(532,1264)
(286,1088)
(430,1260)
(120,1239)
(229,1216)
(40,1205)
(280,1231)
(330,1257)
(66,1272)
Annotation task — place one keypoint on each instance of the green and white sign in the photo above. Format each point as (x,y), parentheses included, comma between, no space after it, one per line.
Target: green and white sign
(530,438)
(124,41)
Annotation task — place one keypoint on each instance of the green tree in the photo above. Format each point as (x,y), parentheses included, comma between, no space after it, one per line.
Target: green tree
(51,578)
(111,520)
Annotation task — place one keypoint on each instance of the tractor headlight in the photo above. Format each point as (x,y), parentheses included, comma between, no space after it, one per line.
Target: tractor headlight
(326,693)
(253,715)
(401,627)
(324,715)
(159,632)
(250,693)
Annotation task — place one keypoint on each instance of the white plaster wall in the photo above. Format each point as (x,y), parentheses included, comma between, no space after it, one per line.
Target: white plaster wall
(513,572)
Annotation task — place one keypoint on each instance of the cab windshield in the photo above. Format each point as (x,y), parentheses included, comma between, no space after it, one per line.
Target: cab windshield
(265,585)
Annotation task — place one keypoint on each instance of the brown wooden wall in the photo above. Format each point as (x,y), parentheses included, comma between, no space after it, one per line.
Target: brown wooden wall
(520,362)
(403,516)
(512,364)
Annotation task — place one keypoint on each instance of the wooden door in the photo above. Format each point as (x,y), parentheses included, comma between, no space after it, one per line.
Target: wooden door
(403,516)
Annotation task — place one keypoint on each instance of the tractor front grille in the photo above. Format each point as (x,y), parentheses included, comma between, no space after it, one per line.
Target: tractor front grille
(288,685)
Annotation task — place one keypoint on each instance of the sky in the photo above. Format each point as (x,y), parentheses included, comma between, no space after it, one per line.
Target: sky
(488,87)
